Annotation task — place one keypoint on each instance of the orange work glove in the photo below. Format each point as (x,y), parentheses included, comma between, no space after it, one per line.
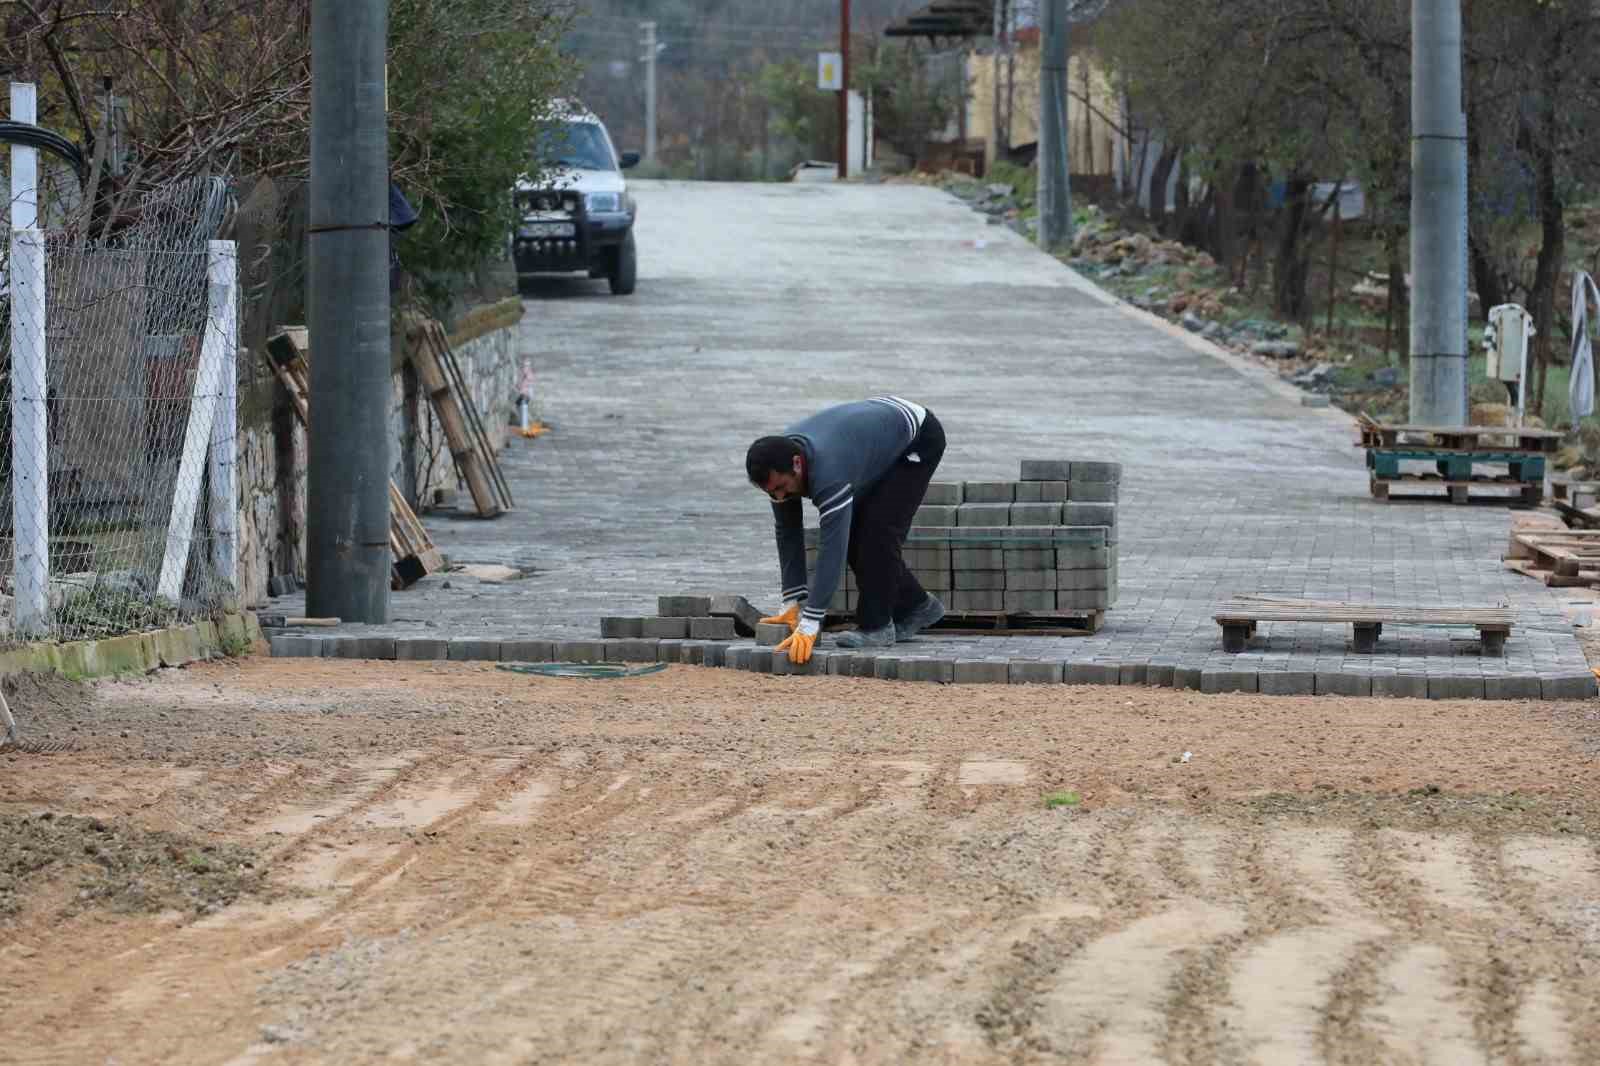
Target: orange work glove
(798,644)
(789,616)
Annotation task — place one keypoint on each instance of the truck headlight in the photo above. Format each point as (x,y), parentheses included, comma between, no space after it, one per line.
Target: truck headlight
(603,203)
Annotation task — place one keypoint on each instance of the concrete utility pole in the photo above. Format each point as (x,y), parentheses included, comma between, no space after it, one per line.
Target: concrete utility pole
(648,29)
(1055,195)
(844,89)
(1438,217)
(30,409)
(347,298)
(999,47)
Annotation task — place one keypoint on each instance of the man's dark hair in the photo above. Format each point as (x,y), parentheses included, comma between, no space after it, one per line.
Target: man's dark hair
(769,454)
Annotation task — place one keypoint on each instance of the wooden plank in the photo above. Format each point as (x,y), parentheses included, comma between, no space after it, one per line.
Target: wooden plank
(414,552)
(1244,611)
(447,406)
(479,435)
(1550,578)
(1505,431)
(1058,623)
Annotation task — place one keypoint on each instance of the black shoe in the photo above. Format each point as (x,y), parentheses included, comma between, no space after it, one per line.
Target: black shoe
(929,612)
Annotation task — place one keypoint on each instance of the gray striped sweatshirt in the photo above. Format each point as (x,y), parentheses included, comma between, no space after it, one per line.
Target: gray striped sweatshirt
(847,449)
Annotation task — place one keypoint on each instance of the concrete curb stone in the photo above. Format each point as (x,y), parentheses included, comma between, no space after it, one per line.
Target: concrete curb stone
(631,651)
(474,649)
(1287,683)
(413,649)
(378,648)
(683,606)
(1093,674)
(295,646)
(771,634)
(1455,688)
(1400,686)
(1512,688)
(1046,470)
(1220,681)
(524,651)
(1159,676)
(981,672)
(988,492)
(1330,683)
(613,626)
(1568,687)
(1035,672)
(712,629)
(671,628)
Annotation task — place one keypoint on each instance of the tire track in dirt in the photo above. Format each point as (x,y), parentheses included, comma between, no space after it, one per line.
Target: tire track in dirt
(627,973)
(1306,929)
(664,936)
(1428,1004)
(1551,884)
(1066,986)
(1113,1001)
(383,803)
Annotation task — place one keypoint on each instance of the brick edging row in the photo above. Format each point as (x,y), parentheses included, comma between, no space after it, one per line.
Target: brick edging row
(907,666)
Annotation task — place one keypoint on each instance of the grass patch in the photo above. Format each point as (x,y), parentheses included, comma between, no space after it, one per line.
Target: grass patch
(1062,799)
(106,611)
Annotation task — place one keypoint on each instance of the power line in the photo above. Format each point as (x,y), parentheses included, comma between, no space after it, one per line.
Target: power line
(793,28)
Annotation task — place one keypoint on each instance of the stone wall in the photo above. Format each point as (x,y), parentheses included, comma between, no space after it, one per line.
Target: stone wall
(272,508)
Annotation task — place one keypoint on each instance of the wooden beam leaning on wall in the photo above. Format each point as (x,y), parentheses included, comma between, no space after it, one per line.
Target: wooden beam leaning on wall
(415,555)
(441,377)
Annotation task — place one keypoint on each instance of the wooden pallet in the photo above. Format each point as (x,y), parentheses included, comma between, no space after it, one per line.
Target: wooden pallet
(474,457)
(1457,490)
(1239,617)
(1002,623)
(1577,517)
(415,555)
(1571,553)
(1522,439)
(1562,487)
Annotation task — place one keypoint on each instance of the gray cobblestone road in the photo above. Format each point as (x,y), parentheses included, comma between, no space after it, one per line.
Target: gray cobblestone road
(757,304)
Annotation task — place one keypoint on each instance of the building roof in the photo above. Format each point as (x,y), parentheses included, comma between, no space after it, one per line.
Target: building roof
(947,18)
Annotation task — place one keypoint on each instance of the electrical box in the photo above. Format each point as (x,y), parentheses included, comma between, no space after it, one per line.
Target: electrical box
(1505,340)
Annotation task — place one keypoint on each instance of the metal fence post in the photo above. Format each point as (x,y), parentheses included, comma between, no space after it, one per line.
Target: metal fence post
(222,333)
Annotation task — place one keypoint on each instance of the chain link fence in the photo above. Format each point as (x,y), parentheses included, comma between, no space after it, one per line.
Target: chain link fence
(117,418)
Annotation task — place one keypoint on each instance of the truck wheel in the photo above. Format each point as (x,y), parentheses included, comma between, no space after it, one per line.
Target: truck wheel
(624,268)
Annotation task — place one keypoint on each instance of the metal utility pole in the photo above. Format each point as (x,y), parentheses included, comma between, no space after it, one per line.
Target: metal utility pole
(648,29)
(347,298)
(844,89)
(1055,195)
(1438,217)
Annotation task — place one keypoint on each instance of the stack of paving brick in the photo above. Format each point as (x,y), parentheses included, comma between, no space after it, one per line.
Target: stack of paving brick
(1045,544)
(683,630)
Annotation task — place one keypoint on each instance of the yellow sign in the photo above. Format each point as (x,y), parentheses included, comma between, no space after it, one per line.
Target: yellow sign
(829,65)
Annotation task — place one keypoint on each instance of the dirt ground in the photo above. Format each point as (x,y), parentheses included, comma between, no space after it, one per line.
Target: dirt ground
(449,863)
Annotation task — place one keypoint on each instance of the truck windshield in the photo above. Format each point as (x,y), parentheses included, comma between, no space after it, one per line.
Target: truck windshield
(574,144)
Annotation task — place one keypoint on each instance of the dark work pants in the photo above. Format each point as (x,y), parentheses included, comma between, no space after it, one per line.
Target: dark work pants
(878,528)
